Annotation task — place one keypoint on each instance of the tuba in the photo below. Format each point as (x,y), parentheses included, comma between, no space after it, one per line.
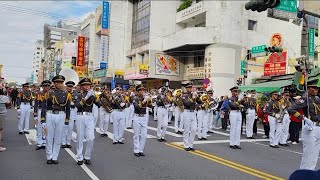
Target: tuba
(70,75)
(105,102)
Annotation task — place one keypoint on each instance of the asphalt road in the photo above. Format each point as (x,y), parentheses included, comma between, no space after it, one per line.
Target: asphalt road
(212,160)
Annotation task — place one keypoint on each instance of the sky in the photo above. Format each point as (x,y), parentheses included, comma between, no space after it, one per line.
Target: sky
(22,24)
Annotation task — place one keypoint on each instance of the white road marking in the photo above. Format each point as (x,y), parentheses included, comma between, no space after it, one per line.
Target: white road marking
(84,167)
(169,133)
(281,149)
(110,135)
(31,137)
(148,135)
(171,127)
(223,141)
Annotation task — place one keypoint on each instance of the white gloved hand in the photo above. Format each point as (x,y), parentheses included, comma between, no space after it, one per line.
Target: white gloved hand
(89,94)
(72,103)
(308,121)
(167,106)
(44,126)
(277,115)
(122,104)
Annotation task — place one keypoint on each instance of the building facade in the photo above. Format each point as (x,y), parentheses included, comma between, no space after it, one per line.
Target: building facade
(206,40)
(38,54)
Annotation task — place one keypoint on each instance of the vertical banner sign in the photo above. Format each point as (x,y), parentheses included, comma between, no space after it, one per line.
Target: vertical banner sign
(242,64)
(81,53)
(104,47)
(105,18)
(311,42)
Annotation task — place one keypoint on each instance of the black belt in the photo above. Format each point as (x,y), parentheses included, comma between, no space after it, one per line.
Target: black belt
(191,110)
(56,111)
(162,106)
(85,111)
(72,106)
(141,115)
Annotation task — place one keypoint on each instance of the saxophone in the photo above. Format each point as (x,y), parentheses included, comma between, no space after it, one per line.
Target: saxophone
(105,102)
(118,100)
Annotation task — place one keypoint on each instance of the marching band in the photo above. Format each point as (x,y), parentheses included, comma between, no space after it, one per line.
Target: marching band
(59,107)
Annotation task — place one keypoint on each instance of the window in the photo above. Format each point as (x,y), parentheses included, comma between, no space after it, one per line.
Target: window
(201,24)
(252,25)
(198,59)
(37,71)
(37,65)
(140,23)
(142,58)
(38,48)
(38,52)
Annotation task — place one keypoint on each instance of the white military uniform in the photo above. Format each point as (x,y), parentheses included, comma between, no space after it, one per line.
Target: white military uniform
(24,103)
(41,141)
(85,124)
(235,121)
(57,114)
(162,116)
(119,118)
(190,122)
(275,127)
(140,124)
(202,116)
(67,130)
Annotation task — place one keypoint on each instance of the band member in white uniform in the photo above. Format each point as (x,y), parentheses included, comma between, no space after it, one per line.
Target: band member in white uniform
(55,113)
(163,104)
(24,103)
(85,120)
(235,119)
(178,110)
(118,116)
(67,130)
(41,141)
(189,117)
(105,111)
(140,121)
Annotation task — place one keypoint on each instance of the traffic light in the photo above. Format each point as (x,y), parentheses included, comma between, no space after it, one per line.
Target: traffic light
(273,49)
(261,5)
(239,82)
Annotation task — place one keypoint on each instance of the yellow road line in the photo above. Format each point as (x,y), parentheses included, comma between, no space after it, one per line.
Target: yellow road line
(231,164)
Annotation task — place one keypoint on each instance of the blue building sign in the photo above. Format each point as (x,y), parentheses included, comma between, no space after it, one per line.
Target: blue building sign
(103,65)
(105,15)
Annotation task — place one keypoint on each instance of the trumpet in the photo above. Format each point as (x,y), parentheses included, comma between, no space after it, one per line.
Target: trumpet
(205,100)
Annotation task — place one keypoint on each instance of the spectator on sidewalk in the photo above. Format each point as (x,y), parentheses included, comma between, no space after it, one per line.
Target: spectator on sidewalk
(4,103)
(14,94)
(225,113)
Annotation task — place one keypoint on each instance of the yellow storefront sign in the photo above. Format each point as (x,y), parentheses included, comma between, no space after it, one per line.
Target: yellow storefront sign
(144,67)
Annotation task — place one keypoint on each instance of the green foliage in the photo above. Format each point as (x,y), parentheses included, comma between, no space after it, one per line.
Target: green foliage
(262,99)
(184,5)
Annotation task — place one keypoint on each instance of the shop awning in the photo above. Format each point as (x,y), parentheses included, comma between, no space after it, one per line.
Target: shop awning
(267,86)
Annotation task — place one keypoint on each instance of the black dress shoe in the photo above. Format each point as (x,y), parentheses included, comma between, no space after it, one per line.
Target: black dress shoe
(115,143)
(169,122)
(43,147)
(69,146)
(26,132)
(204,139)
(180,132)
(163,140)
(49,161)
(137,154)
(200,139)
(80,163)
(233,147)
(102,135)
(159,140)
(38,148)
(187,149)
(237,147)
(87,161)
(141,154)
(105,135)
(121,142)
(55,161)
(283,145)
(63,146)
(210,132)
(192,149)
(276,146)
(129,127)
(20,132)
